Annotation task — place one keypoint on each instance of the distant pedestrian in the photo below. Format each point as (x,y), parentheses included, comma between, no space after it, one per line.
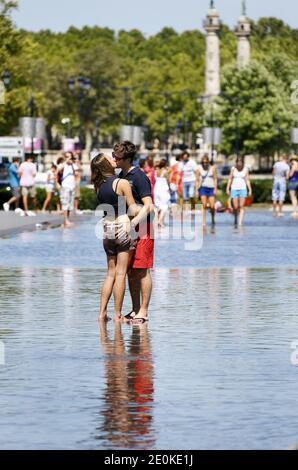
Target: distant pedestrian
(207,181)
(66,180)
(28,172)
(238,188)
(176,188)
(50,186)
(281,172)
(293,185)
(188,169)
(151,171)
(14,183)
(162,198)
(142,164)
(78,177)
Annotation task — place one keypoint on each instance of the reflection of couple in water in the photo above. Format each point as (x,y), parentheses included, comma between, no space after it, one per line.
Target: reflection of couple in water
(128,231)
(128,412)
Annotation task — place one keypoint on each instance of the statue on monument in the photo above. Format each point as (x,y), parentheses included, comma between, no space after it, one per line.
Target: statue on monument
(212,4)
(244,7)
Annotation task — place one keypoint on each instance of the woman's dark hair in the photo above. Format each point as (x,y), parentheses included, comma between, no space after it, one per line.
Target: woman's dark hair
(163,164)
(54,166)
(60,160)
(69,153)
(205,159)
(127,150)
(142,163)
(101,169)
(150,160)
(185,153)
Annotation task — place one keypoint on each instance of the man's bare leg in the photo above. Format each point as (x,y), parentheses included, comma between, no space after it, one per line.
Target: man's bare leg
(25,203)
(135,290)
(146,290)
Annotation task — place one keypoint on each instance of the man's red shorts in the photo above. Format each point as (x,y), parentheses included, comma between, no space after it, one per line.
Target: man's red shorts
(143,257)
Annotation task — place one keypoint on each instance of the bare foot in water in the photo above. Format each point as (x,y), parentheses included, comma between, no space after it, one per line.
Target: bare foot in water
(67,225)
(117,318)
(103,318)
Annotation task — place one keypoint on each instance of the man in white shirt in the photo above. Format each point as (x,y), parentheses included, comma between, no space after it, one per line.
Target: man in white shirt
(27,172)
(188,169)
(67,173)
(281,171)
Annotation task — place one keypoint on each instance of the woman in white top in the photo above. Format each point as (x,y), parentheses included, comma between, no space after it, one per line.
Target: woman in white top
(237,187)
(162,197)
(50,186)
(207,182)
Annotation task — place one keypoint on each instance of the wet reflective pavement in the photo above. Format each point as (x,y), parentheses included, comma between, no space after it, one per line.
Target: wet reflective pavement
(212,370)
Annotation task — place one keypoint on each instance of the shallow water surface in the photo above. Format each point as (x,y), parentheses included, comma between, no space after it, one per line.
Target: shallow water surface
(212,370)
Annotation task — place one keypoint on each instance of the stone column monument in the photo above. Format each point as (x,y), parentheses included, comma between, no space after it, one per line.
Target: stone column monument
(243,33)
(212,26)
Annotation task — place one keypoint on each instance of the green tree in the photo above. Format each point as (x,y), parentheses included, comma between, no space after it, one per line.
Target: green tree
(264,110)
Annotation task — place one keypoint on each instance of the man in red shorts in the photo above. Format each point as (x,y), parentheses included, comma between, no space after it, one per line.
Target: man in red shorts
(139,275)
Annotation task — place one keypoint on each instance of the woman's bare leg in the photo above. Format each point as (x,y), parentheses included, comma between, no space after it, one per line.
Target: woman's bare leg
(161,218)
(212,207)
(120,282)
(294,201)
(241,211)
(236,210)
(107,288)
(204,200)
(47,202)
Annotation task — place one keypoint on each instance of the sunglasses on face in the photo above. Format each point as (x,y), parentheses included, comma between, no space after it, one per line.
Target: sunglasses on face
(118,159)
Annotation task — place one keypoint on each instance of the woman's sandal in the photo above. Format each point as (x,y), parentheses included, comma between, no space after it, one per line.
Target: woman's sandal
(130,316)
(139,321)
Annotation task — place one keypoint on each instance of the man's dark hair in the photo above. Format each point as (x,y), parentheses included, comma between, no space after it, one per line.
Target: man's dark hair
(127,150)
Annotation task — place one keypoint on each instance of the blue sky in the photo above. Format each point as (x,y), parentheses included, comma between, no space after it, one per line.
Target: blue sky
(150,16)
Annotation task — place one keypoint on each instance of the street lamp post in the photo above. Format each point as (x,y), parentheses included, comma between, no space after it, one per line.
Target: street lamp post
(212,134)
(33,109)
(6,77)
(294,137)
(166,110)
(97,133)
(237,135)
(67,122)
(84,85)
(166,95)
(4,84)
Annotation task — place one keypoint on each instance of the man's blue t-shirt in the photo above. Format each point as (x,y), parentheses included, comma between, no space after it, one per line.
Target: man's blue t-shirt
(14,179)
(140,185)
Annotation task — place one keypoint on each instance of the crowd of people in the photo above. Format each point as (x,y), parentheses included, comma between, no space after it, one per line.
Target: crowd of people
(181,185)
(285,174)
(63,178)
(186,182)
